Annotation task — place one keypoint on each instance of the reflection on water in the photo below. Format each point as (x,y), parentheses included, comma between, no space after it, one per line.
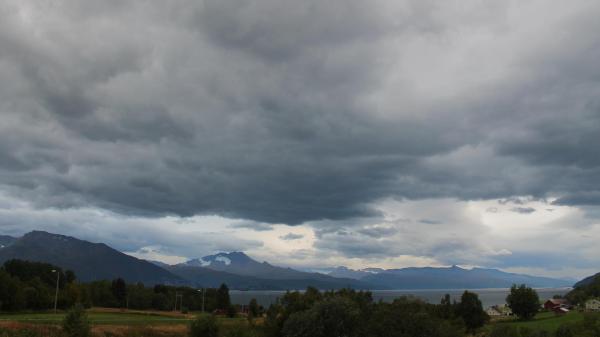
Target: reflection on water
(488,297)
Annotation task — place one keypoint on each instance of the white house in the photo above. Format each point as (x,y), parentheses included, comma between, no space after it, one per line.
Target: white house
(493,312)
(592,305)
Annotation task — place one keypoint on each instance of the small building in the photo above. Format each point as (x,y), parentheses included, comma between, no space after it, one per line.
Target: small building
(493,312)
(504,310)
(592,305)
(560,310)
(498,310)
(556,303)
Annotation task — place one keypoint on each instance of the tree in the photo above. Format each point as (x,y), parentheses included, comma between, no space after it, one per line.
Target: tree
(231,311)
(409,317)
(26,271)
(471,311)
(119,290)
(253,310)
(76,323)
(204,326)
(70,277)
(160,301)
(446,308)
(37,295)
(337,316)
(11,293)
(161,289)
(223,301)
(523,301)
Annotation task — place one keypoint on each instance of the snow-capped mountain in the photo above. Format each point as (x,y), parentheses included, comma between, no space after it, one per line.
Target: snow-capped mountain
(241,264)
(221,259)
(258,275)
(6,240)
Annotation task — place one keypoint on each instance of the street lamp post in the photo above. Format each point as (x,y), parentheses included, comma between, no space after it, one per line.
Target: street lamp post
(56,293)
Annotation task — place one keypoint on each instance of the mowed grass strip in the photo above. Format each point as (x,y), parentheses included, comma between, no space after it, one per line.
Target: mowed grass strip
(97,318)
(548,321)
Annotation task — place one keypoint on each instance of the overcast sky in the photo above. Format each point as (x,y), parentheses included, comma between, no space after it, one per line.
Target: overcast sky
(307,133)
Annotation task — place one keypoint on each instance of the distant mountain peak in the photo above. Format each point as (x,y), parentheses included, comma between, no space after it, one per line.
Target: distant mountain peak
(37,234)
(90,261)
(6,240)
(42,235)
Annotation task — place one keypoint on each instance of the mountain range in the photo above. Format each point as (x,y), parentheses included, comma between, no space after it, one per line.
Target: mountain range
(89,261)
(97,261)
(445,278)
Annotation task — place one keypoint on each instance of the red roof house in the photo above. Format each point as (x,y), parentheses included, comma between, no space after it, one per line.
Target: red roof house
(555,303)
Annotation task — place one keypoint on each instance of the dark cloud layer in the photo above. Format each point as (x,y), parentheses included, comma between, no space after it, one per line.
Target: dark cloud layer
(286,112)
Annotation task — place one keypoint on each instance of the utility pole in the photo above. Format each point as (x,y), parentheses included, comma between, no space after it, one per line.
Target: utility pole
(203,290)
(178,297)
(56,293)
(175,306)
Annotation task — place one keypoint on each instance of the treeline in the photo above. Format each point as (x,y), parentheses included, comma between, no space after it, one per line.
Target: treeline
(117,294)
(354,313)
(28,285)
(32,285)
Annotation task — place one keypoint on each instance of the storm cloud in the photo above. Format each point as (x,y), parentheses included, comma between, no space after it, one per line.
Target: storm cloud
(284,112)
(296,112)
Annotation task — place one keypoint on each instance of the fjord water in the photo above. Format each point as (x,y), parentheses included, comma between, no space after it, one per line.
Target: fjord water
(488,297)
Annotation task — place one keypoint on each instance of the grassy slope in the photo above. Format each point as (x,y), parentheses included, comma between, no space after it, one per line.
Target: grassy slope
(95,318)
(545,321)
(111,318)
(109,322)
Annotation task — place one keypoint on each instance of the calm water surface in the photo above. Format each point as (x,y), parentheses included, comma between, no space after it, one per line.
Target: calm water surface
(488,297)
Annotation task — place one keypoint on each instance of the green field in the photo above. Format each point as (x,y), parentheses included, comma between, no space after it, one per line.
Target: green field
(97,318)
(544,321)
(111,323)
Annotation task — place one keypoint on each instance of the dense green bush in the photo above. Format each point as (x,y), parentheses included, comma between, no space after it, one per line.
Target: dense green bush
(564,331)
(337,316)
(76,323)
(204,326)
(411,317)
(351,313)
(502,330)
(241,331)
